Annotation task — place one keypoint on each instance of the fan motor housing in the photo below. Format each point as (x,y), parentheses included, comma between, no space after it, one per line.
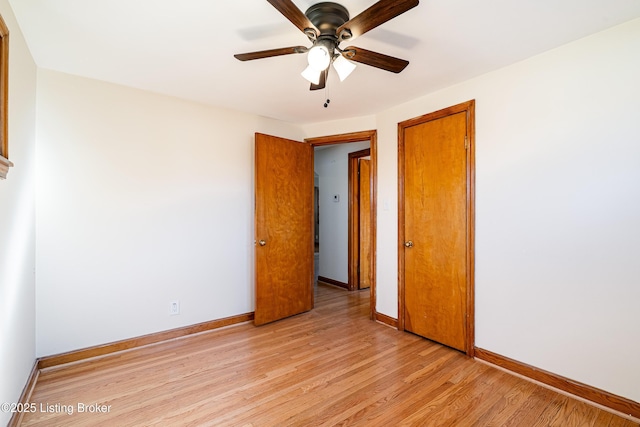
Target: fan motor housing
(327,17)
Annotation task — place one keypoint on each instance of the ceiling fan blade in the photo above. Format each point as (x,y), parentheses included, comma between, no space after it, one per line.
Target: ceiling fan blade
(293,14)
(379,13)
(323,80)
(269,53)
(378,60)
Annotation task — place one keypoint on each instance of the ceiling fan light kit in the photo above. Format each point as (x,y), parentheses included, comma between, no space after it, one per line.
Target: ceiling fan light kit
(319,55)
(343,67)
(312,75)
(326,25)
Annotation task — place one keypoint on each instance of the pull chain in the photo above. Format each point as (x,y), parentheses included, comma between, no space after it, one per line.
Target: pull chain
(326,93)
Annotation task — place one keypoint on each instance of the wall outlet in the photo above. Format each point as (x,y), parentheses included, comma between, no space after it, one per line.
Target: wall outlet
(174,308)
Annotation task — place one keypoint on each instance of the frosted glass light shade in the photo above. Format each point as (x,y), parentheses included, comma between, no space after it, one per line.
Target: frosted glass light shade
(312,75)
(343,67)
(319,57)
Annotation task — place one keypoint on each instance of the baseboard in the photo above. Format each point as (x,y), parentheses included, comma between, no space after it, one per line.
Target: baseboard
(389,321)
(333,282)
(16,418)
(584,391)
(101,350)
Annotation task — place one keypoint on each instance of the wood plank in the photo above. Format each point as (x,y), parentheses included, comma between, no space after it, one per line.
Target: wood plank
(117,346)
(16,418)
(625,406)
(387,320)
(330,366)
(333,282)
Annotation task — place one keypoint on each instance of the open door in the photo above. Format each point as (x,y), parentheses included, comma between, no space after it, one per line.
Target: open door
(365,224)
(360,214)
(283,227)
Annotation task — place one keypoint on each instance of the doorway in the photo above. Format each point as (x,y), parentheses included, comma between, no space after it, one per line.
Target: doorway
(359,219)
(284,223)
(371,225)
(436,226)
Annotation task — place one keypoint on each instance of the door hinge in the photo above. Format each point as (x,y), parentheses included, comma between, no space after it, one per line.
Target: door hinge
(466,142)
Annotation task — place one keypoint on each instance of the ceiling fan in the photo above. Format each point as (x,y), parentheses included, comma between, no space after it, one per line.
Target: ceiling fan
(327,24)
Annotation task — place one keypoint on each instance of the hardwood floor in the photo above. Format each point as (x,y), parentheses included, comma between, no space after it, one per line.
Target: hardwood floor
(331,366)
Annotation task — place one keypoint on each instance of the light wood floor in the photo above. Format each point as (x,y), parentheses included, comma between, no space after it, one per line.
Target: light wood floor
(331,366)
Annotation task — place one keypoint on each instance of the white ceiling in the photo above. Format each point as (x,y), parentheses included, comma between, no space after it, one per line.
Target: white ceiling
(185,48)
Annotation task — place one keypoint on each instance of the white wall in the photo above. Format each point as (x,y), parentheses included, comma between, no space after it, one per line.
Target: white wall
(557,208)
(332,167)
(142,199)
(17,237)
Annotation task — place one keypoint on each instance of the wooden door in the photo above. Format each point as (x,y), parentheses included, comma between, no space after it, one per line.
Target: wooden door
(436,242)
(283,227)
(355,233)
(365,224)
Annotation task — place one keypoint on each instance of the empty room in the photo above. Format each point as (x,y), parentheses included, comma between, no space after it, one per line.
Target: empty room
(296,213)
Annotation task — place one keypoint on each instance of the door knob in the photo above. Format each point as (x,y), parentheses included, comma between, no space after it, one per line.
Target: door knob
(409,244)
(262,242)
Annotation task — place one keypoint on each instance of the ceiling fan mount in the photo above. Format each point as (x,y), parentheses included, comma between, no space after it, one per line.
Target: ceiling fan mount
(327,24)
(327,17)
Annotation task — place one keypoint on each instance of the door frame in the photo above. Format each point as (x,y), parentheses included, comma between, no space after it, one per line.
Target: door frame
(354,217)
(372,137)
(468,108)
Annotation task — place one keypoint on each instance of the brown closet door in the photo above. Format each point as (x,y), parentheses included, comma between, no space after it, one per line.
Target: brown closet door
(435,224)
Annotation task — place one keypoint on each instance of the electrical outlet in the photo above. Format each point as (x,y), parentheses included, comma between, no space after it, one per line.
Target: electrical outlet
(174,308)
